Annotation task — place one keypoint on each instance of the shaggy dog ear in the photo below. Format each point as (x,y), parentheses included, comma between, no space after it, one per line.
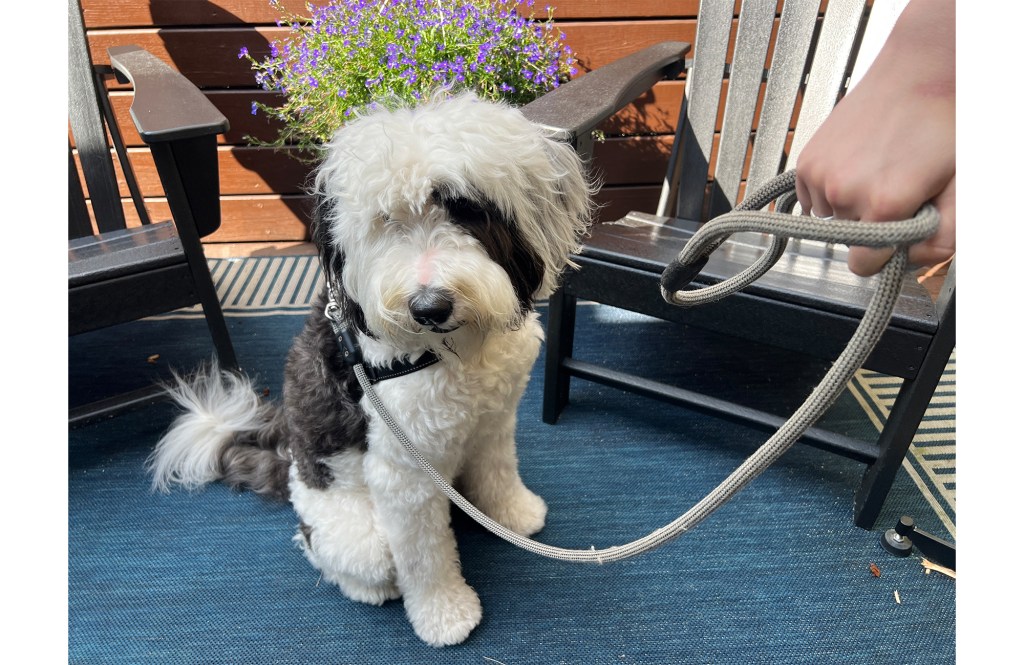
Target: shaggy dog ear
(332,261)
(578,186)
(567,205)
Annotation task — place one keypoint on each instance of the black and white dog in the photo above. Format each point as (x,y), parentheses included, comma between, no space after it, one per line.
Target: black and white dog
(438,226)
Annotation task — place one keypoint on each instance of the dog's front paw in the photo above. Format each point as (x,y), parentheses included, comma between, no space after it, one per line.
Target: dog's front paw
(444,616)
(523,512)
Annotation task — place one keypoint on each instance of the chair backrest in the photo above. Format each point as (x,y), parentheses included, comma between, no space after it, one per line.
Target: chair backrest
(91,120)
(773,69)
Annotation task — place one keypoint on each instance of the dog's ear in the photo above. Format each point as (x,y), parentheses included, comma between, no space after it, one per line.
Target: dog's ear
(577,185)
(332,261)
(566,194)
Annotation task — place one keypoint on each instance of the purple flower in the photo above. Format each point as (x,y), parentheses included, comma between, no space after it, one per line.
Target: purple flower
(368,49)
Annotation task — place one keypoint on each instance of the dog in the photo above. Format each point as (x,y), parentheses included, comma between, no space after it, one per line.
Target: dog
(439,226)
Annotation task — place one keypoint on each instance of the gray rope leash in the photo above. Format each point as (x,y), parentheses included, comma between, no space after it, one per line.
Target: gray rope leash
(748,216)
(709,237)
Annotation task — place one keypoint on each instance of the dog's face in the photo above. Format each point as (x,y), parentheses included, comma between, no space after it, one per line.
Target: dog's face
(456,213)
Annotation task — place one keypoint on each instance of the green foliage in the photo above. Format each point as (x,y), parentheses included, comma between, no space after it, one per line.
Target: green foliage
(350,55)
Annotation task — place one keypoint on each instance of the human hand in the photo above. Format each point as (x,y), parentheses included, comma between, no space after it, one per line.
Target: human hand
(889,146)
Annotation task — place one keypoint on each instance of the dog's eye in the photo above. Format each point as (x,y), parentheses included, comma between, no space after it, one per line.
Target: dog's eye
(465,210)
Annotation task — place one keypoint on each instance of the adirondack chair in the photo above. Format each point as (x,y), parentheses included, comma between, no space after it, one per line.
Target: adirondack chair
(119,272)
(809,302)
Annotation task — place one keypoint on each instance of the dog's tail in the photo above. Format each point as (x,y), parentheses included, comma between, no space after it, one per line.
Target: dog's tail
(226,432)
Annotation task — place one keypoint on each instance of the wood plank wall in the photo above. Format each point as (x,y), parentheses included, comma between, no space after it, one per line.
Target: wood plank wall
(262,189)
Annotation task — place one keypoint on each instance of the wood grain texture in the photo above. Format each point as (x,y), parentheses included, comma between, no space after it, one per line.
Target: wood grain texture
(131,13)
(209,57)
(270,218)
(655,112)
(262,190)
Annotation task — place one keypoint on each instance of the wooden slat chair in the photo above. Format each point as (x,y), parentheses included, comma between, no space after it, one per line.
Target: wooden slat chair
(116,272)
(809,302)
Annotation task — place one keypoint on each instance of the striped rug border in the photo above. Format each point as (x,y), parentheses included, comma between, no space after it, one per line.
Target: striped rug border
(269,286)
(931,459)
(261,286)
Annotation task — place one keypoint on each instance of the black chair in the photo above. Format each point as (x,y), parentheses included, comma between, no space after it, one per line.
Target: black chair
(119,272)
(809,302)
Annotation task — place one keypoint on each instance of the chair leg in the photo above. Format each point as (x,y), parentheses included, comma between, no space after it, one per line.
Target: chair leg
(561,329)
(215,320)
(221,340)
(169,158)
(900,427)
(112,406)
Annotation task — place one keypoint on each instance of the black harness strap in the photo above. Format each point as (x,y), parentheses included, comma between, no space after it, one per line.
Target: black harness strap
(378,373)
(353,355)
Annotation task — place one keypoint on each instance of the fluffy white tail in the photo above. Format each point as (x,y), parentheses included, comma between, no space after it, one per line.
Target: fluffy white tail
(218,405)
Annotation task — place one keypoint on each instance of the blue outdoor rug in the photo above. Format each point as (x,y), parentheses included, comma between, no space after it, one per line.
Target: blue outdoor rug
(779,575)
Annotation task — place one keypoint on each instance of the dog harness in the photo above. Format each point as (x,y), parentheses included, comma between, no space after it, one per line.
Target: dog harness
(353,355)
(748,216)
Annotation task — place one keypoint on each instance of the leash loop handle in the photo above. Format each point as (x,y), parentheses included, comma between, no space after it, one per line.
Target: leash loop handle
(782,226)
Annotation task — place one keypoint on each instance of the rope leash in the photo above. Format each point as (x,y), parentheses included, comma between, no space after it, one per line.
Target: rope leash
(746,217)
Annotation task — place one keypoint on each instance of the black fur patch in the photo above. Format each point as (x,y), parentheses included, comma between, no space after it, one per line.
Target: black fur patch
(332,260)
(500,237)
(321,399)
(258,461)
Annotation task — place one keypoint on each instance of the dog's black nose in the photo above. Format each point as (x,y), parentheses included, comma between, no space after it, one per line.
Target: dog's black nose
(431,307)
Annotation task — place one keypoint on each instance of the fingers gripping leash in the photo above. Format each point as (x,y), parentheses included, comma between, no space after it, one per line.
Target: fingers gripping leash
(748,216)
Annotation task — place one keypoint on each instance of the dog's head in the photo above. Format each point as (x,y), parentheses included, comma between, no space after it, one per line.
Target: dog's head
(455,213)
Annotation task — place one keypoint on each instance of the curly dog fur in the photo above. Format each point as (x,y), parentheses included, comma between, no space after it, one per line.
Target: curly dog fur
(438,226)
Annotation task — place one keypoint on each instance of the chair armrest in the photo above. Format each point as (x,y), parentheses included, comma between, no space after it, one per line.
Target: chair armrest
(167,105)
(580,105)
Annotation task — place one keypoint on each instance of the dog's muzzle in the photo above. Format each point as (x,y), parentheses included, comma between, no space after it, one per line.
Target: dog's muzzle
(432,308)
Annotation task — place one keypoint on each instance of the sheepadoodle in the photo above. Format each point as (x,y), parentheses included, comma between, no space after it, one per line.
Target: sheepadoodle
(438,226)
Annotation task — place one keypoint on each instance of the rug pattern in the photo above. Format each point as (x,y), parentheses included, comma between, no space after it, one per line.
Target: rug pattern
(267,286)
(779,575)
(931,460)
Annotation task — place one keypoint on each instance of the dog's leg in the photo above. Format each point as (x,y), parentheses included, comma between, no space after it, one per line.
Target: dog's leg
(491,479)
(441,606)
(339,533)
(490,473)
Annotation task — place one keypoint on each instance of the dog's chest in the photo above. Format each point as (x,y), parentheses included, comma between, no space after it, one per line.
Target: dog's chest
(452,399)
(483,384)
